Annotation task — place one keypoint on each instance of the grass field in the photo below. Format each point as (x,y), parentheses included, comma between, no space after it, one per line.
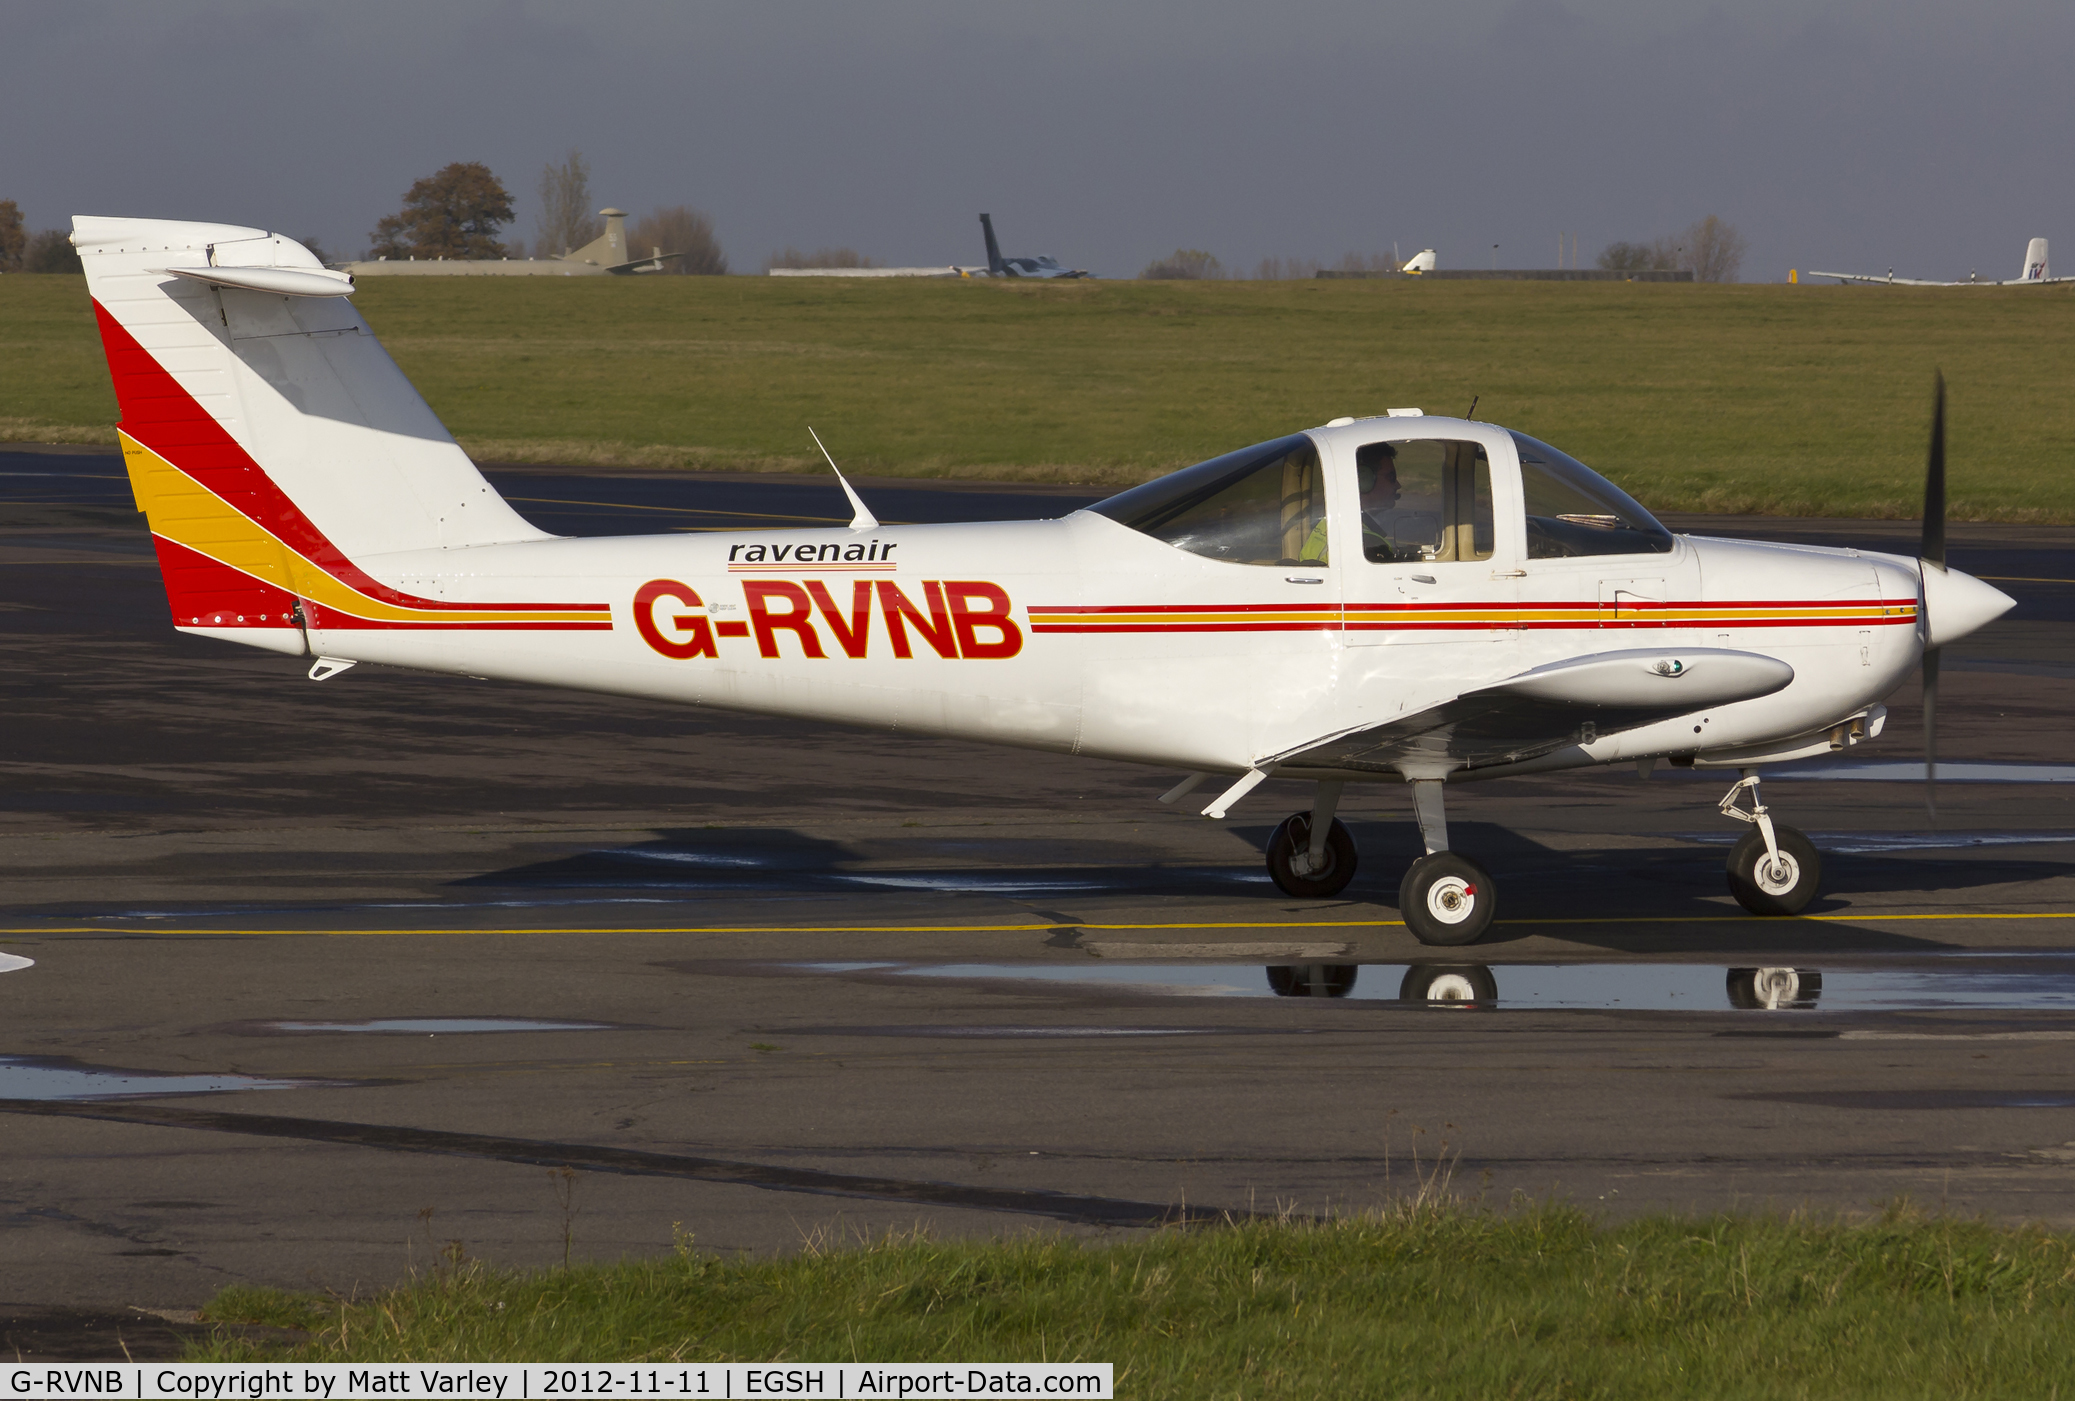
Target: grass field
(1794,400)
(1433,1300)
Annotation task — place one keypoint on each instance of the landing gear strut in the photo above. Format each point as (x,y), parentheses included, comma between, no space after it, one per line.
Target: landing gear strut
(1773,870)
(1312,854)
(1446,898)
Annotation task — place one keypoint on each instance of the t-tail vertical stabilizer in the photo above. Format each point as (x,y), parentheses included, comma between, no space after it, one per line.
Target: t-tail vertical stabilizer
(276,449)
(2035,262)
(995,264)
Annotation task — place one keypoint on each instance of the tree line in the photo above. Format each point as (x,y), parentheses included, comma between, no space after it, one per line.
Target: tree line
(461,210)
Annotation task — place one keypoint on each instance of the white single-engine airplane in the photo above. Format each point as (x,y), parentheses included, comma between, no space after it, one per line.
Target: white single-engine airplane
(2034,274)
(1401,599)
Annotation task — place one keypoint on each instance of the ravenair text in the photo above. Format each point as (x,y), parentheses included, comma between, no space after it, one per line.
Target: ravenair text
(960,619)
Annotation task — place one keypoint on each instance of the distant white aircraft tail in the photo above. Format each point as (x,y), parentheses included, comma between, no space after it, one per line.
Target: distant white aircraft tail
(273,444)
(1422,261)
(2035,262)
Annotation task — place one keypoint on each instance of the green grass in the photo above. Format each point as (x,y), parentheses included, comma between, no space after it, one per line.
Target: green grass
(1428,1300)
(1798,400)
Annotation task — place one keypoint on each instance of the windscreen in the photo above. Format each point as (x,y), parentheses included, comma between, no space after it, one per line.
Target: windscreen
(1573,510)
(1261,505)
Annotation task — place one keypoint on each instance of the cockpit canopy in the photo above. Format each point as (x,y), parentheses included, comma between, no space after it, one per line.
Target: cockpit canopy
(1260,505)
(1266,505)
(1573,510)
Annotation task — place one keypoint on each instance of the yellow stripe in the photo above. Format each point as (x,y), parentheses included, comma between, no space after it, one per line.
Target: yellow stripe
(184,511)
(158,927)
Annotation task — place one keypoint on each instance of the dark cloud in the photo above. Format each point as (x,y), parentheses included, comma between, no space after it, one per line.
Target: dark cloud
(1880,132)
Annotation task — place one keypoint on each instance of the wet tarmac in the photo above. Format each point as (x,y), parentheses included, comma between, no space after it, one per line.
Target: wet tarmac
(293,964)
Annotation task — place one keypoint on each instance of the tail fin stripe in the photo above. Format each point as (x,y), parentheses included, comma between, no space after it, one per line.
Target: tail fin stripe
(163,419)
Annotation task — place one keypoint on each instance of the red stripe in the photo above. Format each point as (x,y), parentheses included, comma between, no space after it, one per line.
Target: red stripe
(162,416)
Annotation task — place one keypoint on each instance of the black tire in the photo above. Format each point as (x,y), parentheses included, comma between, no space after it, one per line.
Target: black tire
(1774,989)
(1311,979)
(1289,848)
(1773,892)
(1447,899)
(1448,983)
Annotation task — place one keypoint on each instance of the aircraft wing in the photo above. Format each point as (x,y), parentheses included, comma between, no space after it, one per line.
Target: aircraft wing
(655,261)
(1884,279)
(1550,708)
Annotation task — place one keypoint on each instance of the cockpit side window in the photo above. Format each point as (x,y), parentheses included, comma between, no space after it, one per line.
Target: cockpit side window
(1429,499)
(1573,510)
(1260,505)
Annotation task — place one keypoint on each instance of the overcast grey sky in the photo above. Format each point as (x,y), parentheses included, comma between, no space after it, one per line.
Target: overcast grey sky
(1854,135)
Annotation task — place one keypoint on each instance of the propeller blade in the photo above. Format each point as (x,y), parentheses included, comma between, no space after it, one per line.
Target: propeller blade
(1933,551)
(1932,556)
(1931,732)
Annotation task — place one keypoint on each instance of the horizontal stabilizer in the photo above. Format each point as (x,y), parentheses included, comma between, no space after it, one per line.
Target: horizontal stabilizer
(287,282)
(1550,708)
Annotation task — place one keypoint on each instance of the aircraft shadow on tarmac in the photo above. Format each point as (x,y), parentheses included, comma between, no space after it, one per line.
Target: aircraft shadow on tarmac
(1673,885)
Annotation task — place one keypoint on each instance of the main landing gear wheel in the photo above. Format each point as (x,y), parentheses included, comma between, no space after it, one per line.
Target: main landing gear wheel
(1290,865)
(1446,899)
(1767,888)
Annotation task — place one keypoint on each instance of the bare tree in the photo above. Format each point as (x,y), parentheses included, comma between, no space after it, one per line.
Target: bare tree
(453,213)
(679,229)
(12,240)
(1714,250)
(1638,257)
(1285,269)
(1183,265)
(791,257)
(567,221)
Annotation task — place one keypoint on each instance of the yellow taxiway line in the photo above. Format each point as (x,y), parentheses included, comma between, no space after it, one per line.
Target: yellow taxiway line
(1105,927)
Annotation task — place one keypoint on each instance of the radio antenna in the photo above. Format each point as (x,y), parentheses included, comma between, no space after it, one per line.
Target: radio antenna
(864,519)
(1473,407)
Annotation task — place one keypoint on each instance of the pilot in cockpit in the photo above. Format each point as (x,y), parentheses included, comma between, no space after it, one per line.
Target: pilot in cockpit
(1376,473)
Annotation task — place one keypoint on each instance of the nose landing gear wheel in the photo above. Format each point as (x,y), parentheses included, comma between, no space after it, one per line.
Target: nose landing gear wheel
(1289,859)
(1764,888)
(1447,899)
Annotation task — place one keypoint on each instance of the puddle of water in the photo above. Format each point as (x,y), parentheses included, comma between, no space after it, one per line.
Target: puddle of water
(974,884)
(1865,843)
(437,1026)
(1907,771)
(1960,982)
(22,1077)
(1023,1033)
(10,962)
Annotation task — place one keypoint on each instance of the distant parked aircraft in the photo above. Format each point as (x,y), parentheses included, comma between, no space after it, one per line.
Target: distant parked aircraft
(604,254)
(998,266)
(2034,272)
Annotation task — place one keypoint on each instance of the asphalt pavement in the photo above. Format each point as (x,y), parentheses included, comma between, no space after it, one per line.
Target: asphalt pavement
(326,976)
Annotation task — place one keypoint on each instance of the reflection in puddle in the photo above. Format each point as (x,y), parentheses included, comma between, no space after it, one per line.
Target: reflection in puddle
(57,1079)
(2044,982)
(439,1026)
(10,962)
(683,858)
